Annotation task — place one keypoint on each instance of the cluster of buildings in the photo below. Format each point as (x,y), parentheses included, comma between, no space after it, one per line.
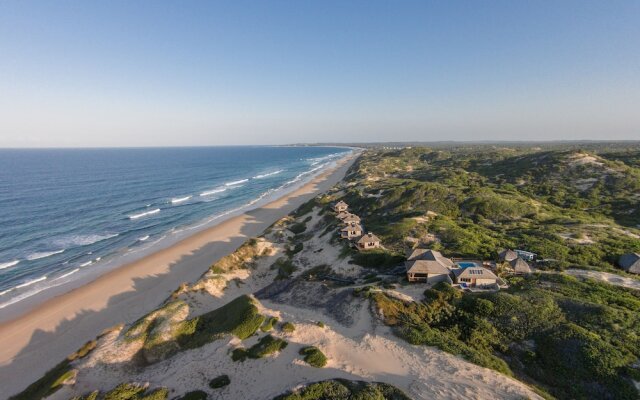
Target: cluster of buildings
(430,266)
(352,228)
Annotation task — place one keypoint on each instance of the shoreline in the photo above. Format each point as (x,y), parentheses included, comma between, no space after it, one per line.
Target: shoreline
(40,338)
(12,309)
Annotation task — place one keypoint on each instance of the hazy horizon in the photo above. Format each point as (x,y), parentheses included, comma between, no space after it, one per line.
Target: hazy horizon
(162,74)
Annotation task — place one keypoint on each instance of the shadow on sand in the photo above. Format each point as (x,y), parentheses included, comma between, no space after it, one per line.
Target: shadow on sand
(44,347)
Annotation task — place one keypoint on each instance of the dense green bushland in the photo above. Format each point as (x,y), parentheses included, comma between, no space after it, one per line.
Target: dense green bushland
(568,206)
(576,339)
(265,346)
(342,389)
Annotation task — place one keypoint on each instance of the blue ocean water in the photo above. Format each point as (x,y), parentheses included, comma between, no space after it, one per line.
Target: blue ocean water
(65,210)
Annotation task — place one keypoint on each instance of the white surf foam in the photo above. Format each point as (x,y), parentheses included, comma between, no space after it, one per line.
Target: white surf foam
(68,273)
(180,199)
(234,183)
(144,214)
(83,240)
(213,191)
(268,174)
(37,256)
(9,264)
(143,238)
(31,282)
(86,263)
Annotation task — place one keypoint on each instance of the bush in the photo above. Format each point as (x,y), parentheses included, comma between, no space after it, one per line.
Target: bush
(288,327)
(268,325)
(345,389)
(285,267)
(239,317)
(378,258)
(195,395)
(313,356)
(219,382)
(131,391)
(298,228)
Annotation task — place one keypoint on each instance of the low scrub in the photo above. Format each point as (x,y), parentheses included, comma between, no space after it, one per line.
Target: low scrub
(288,327)
(345,389)
(219,382)
(284,266)
(195,395)
(269,324)
(242,258)
(313,356)
(379,259)
(55,377)
(265,346)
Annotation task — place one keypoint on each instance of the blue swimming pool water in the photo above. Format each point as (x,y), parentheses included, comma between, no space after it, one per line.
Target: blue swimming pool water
(465,264)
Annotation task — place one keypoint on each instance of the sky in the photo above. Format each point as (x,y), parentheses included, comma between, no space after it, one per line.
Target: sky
(190,73)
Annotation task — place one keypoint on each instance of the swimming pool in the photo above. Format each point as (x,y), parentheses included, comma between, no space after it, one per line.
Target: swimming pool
(466,264)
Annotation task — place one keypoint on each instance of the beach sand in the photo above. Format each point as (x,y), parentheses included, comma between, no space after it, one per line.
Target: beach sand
(35,342)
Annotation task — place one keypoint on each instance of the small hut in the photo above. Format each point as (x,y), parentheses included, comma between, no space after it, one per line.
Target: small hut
(340,206)
(351,231)
(520,266)
(507,255)
(368,241)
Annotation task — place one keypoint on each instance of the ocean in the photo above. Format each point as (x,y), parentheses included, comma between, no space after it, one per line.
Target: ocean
(67,211)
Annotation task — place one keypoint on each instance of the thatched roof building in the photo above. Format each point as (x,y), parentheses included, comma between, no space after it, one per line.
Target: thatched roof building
(630,262)
(520,266)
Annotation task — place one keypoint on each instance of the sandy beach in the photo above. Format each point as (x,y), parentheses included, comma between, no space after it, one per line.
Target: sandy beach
(36,341)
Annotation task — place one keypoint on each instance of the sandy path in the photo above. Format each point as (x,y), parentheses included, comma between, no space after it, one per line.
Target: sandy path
(612,279)
(36,341)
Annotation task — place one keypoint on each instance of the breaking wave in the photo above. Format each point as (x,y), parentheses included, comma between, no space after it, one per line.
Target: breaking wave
(144,214)
(9,264)
(37,256)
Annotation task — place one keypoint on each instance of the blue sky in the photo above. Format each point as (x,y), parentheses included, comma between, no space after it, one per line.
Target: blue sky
(151,73)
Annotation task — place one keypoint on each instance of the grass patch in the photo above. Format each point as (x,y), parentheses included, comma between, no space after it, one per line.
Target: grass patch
(242,258)
(219,382)
(265,346)
(56,376)
(342,389)
(285,268)
(288,327)
(313,356)
(298,228)
(132,391)
(269,324)
(239,317)
(378,258)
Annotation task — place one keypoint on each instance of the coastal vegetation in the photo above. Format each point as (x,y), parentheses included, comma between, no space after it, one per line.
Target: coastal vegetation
(572,338)
(266,345)
(313,356)
(219,382)
(571,207)
(165,331)
(342,389)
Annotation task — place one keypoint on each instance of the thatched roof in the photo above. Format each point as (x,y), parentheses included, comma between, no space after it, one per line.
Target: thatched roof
(474,273)
(520,266)
(351,218)
(630,262)
(430,255)
(340,204)
(368,238)
(508,255)
(426,267)
(352,227)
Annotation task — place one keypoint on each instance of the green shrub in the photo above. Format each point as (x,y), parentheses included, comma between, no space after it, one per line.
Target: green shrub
(284,266)
(377,258)
(313,356)
(320,324)
(295,249)
(343,389)
(239,354)
(288,327)
(298,228)
(239,317)
(219,382)
(125,391)
(195,395)
(269,323)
